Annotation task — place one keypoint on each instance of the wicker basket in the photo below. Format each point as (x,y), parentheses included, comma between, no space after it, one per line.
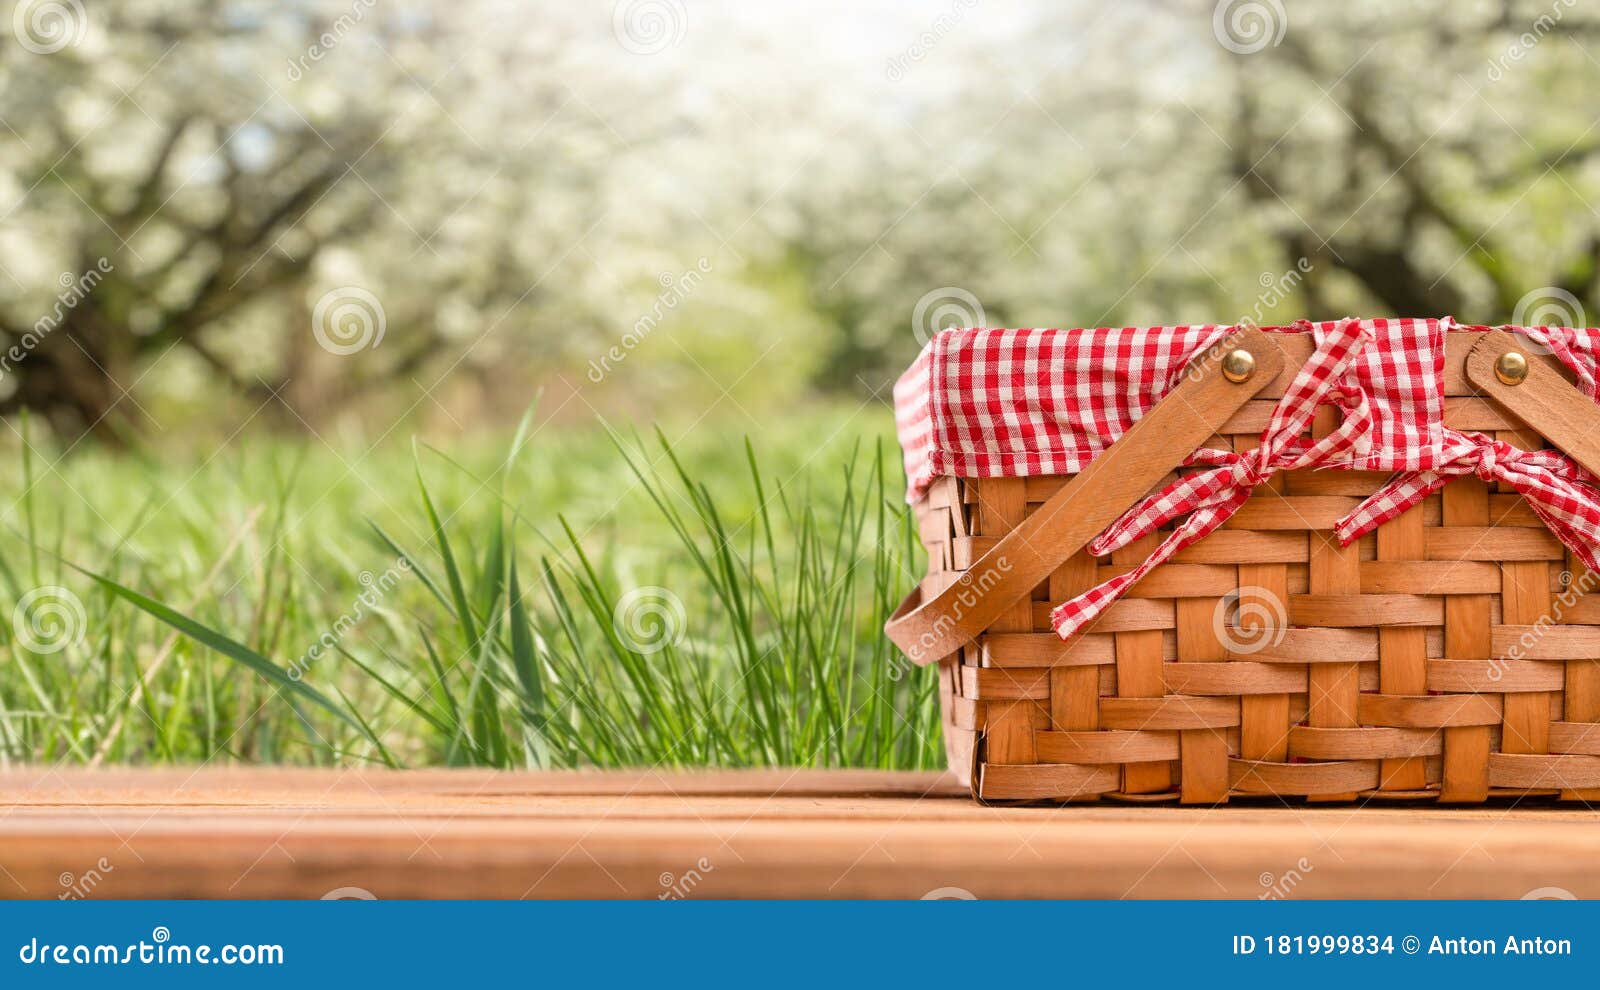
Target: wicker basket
(1403,666)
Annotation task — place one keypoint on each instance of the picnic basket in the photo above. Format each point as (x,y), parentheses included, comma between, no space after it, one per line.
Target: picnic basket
(1332,562)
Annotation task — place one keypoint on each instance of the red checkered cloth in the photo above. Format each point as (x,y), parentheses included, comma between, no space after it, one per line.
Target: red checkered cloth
(1576,347)
(1016,403)
(1562,494)
(1207,498)
(1011,403)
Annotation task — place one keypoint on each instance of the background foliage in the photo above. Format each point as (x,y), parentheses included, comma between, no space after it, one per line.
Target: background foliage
(514,184)
(249,249)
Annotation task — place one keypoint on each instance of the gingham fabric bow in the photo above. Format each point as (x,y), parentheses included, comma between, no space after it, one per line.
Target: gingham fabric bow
(1575,347)
(1210,497)
(1559,492)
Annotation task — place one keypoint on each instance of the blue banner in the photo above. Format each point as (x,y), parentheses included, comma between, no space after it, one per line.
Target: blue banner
(781,944)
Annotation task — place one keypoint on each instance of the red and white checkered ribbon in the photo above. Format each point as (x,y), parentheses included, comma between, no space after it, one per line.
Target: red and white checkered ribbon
(1209,497)
(1576,347)
(1559,492)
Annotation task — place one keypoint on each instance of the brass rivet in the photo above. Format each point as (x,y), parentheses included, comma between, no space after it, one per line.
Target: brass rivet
(1511,367)
(1238,365)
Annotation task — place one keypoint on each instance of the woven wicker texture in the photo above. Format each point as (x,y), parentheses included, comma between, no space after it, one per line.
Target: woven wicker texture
(1450,655)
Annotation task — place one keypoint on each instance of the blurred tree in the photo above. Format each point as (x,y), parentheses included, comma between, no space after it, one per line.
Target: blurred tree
(309,199)
(308,204)
(1263,160)
(1440,168)
(155,150)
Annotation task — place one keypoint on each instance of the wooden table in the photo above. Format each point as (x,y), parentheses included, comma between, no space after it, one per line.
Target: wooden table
(289,833)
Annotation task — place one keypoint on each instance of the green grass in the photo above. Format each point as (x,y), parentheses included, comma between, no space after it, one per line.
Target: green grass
(564,597)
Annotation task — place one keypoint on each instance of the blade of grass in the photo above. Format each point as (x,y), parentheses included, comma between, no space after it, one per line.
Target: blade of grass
(230,648)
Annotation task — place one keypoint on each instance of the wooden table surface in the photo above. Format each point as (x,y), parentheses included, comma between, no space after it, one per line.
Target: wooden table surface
(291,833)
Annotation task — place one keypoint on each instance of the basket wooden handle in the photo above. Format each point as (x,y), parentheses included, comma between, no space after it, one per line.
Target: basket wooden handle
(1155,446)
(1543,399)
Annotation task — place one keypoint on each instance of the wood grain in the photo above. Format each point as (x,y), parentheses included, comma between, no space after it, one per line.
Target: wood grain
(1335,572)
(467,834)
(1002,506)
(1402,651)
(1139,676)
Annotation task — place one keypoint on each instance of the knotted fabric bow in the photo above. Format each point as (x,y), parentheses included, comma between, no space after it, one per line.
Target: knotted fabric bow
(1209,497)
(1559,492)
